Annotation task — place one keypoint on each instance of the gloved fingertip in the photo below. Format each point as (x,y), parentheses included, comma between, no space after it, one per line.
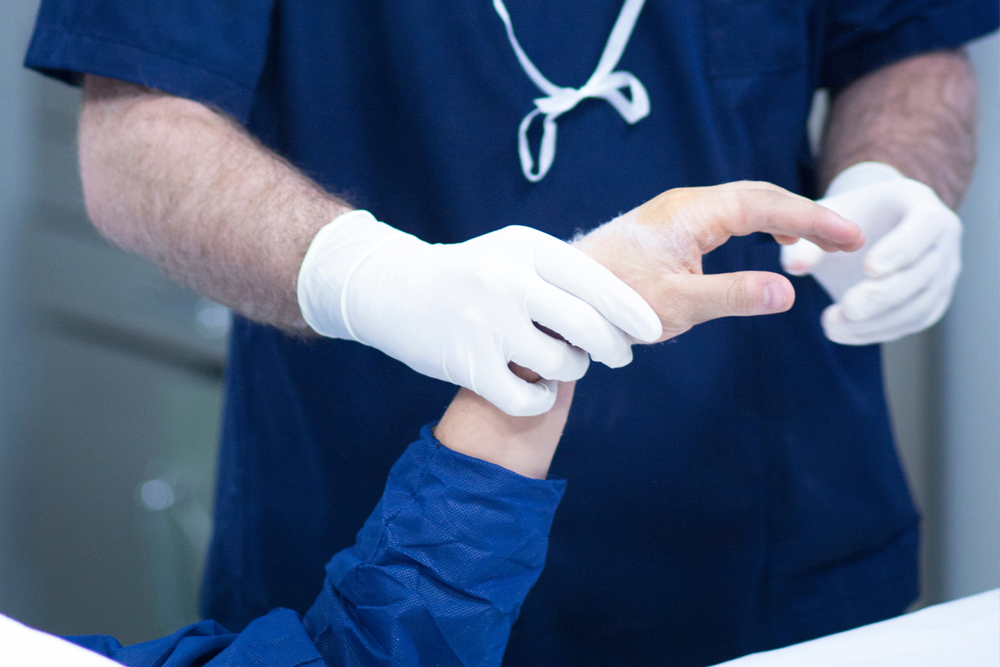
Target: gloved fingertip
(634,317)
(526,399)
(854,312)
(853,306)
(622,357)
(573,371)
(838,336)
(570,364)
(832,321)
(648,328)
(801,257)
(837,328)
(797,268)
(879,264)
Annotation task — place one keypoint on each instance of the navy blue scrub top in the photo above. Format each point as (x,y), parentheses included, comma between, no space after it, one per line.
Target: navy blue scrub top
(733,490)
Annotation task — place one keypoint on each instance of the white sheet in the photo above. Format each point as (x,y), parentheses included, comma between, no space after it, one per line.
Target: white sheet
(21,646)
(965,632)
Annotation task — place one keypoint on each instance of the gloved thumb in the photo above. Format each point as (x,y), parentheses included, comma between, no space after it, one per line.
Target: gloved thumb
(517,397)
(741,294)
(801,257)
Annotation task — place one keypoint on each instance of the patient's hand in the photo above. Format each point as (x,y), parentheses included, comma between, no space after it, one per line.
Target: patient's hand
(525,445)
(657,248)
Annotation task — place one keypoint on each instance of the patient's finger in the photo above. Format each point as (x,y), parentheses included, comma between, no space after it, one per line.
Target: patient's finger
(700,298)
(748,210)
(756,185)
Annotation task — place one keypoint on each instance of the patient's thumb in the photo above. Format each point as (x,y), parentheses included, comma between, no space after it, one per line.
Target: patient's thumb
(800,257)
(737,295)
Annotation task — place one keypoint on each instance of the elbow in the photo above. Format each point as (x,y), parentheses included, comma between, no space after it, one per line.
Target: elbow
(110,153)
(103,164)
(97,191)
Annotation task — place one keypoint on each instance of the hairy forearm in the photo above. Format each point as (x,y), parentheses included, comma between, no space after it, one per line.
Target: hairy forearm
(917,115)
(191,191)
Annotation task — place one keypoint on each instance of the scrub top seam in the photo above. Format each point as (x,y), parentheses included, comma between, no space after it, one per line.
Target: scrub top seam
(144,49)
(848,559)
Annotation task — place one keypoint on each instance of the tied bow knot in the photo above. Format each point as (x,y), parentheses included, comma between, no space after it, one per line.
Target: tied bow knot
(633,108)
(604,83)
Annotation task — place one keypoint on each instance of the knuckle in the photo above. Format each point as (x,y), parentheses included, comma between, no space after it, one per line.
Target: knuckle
(738,203)
(739,297)
(522,234)
(514,238)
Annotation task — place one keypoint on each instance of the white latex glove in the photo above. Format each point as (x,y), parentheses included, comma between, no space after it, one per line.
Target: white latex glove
(901,281)
(461,312)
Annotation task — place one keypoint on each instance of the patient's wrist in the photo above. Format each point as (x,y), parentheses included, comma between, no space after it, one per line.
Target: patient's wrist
(525,445)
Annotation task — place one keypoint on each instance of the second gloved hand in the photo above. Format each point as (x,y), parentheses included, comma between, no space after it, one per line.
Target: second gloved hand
(902,280)
(461,312)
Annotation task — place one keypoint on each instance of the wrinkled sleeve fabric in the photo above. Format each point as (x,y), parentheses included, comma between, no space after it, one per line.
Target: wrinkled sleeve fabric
(436,577)
(211,51)
(863,35)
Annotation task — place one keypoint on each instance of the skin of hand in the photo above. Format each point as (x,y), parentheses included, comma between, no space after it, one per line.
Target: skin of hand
(656,249)
(191,191)
(473,426)
(917,115)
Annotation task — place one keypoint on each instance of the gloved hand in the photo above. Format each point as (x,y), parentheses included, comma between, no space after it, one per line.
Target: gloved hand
(462,312)
(902,280)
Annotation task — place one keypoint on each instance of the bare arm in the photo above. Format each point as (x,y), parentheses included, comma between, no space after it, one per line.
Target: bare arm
(525,445)
(191,191)
(917,115)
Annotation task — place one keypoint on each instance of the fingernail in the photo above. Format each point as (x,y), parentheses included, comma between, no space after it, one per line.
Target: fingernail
(774,296)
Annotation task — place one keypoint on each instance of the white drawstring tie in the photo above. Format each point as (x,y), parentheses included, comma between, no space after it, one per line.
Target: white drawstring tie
(603,83)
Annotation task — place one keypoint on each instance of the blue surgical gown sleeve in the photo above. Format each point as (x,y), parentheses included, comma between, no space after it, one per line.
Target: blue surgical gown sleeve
(436,577)
(863,35)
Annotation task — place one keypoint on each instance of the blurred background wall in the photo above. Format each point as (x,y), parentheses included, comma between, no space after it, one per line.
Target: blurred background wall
(15,151)
(966,371)
(110,392)
(944,385)
(110,388)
